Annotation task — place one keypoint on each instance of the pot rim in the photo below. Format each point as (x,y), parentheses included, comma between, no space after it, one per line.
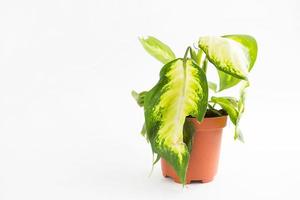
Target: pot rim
(209,117)
(210,122)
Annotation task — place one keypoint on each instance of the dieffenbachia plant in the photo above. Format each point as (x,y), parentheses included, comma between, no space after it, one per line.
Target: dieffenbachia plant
(183,91)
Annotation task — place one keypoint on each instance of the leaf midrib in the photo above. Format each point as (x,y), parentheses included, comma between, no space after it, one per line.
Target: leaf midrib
(182,98)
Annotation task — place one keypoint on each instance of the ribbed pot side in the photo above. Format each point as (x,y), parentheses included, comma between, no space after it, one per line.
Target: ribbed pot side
(204,158)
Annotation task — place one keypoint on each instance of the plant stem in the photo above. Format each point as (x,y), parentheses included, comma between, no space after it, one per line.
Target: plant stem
(199,56)
(204,67)
(189,49)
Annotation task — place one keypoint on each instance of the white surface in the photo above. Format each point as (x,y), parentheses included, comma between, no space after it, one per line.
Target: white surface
(69,128)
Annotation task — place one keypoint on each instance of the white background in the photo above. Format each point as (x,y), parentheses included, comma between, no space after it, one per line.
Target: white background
(69,128)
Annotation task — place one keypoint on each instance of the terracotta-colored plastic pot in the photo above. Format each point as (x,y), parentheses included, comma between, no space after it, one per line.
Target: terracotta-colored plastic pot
(204,158)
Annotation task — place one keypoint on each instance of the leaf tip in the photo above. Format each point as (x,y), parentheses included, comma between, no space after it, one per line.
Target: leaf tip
(239,136)
(134,94)
(143,37)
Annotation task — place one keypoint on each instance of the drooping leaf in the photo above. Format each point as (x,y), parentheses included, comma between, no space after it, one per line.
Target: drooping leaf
(235,109)
(249,43)
(241,109)
(181,91)
(227,55)
(139,97)
(238,135)
(243,90)
(157,49)
(230,105)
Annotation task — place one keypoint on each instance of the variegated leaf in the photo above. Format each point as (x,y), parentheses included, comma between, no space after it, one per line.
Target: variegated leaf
(181,91)
(227,55)
(230,105)
(235,108)
(247,41)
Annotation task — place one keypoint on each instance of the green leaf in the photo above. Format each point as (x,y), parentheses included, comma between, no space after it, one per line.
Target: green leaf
(249,43)
(204,66)
(139,97)
(226,81)
(227,55)
(157,49)
(188,134)
(238,134)
(156,160)
(181,91)
(144,131)
(196,56)
(243,90)
(212,86)
(241,110)
(230,105)
(235,108)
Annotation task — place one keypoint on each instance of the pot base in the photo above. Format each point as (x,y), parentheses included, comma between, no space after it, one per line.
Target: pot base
(168,172)
(189,181)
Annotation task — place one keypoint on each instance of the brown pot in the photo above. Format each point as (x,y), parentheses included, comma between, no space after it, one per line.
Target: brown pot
(204,158)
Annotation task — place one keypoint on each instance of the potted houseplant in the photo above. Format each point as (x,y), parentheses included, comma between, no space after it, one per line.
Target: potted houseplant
(183,121)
